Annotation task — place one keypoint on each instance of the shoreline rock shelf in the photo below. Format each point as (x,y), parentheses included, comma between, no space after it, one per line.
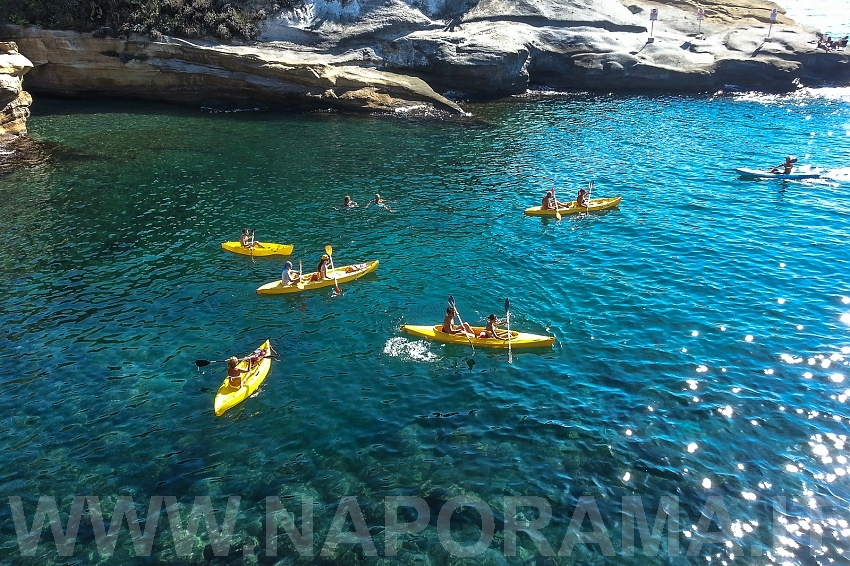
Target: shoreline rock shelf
(390,55)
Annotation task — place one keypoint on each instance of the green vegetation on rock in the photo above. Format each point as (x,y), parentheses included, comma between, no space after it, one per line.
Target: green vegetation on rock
(220,19)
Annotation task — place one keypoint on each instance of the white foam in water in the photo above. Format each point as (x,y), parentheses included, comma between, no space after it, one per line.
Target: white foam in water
(417,350)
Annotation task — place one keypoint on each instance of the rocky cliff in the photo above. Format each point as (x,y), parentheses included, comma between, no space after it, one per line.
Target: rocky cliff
(398,54)
(14,101)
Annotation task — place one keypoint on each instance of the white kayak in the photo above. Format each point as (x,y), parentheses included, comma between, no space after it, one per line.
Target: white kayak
(756,174)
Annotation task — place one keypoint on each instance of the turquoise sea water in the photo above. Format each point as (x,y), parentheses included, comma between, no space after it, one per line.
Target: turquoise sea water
(829,16)
(702,328)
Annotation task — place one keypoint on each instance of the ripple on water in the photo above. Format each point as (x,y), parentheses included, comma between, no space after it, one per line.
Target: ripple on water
(701,339)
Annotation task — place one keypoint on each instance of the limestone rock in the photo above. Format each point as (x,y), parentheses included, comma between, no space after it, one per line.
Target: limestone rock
(491,48)
(194,72)
(391,54)
(14,100)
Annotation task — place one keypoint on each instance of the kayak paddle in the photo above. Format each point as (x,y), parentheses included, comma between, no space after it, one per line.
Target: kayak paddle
(204,363)
(587,199)
(508,320)
(462,328)
(557,214)
(330,251)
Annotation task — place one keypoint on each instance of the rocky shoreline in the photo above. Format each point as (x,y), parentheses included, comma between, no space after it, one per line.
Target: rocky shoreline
(388,56)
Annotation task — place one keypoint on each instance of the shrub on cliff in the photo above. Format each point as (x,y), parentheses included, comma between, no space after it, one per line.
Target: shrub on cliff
(221,19)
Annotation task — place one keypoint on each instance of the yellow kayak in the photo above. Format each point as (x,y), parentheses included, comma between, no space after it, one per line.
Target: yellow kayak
(518,339)
(343,275)
(228,397)
(267,249)
(594,205)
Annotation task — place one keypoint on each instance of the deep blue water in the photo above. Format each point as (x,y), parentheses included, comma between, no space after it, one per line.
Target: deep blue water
(702,327)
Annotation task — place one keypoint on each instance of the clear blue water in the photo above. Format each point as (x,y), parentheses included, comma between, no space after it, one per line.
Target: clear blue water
(702,327)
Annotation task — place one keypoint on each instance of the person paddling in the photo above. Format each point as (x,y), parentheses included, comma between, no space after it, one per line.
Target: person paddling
(234,372)
(289,276)
(549,202)
(787,166)
(581,198)
(449,326)
(247,239)
(322,269)
(490,331)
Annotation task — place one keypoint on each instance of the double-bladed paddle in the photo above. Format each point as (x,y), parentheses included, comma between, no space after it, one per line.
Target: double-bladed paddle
(205,363)
(508,320)
(555,199)
(462,328)
(330,251)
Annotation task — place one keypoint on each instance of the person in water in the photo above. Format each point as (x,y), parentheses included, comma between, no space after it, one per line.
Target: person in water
(787,166)
(289,276)
(581,198)
(378,201)
(549,201)
(247,239)
(490,331)
(449,326)
(321,269)
(348,203)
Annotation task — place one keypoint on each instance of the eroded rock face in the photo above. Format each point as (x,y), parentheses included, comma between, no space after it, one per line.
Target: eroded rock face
(74,64)
(495,47)
(389,54)
(14,100)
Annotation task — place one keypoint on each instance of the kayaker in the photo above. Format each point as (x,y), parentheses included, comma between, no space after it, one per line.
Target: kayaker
(490,331)
(321,269)
(234,372)
(254,357)
(348,203)
(289,276)
(247,239)
(581,198)
(787,166)
(550,203)
(449,326)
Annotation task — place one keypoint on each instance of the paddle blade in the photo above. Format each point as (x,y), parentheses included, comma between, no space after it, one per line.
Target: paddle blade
(507,305)
(202,363)
(557,215)
(451,301)
(329,250)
